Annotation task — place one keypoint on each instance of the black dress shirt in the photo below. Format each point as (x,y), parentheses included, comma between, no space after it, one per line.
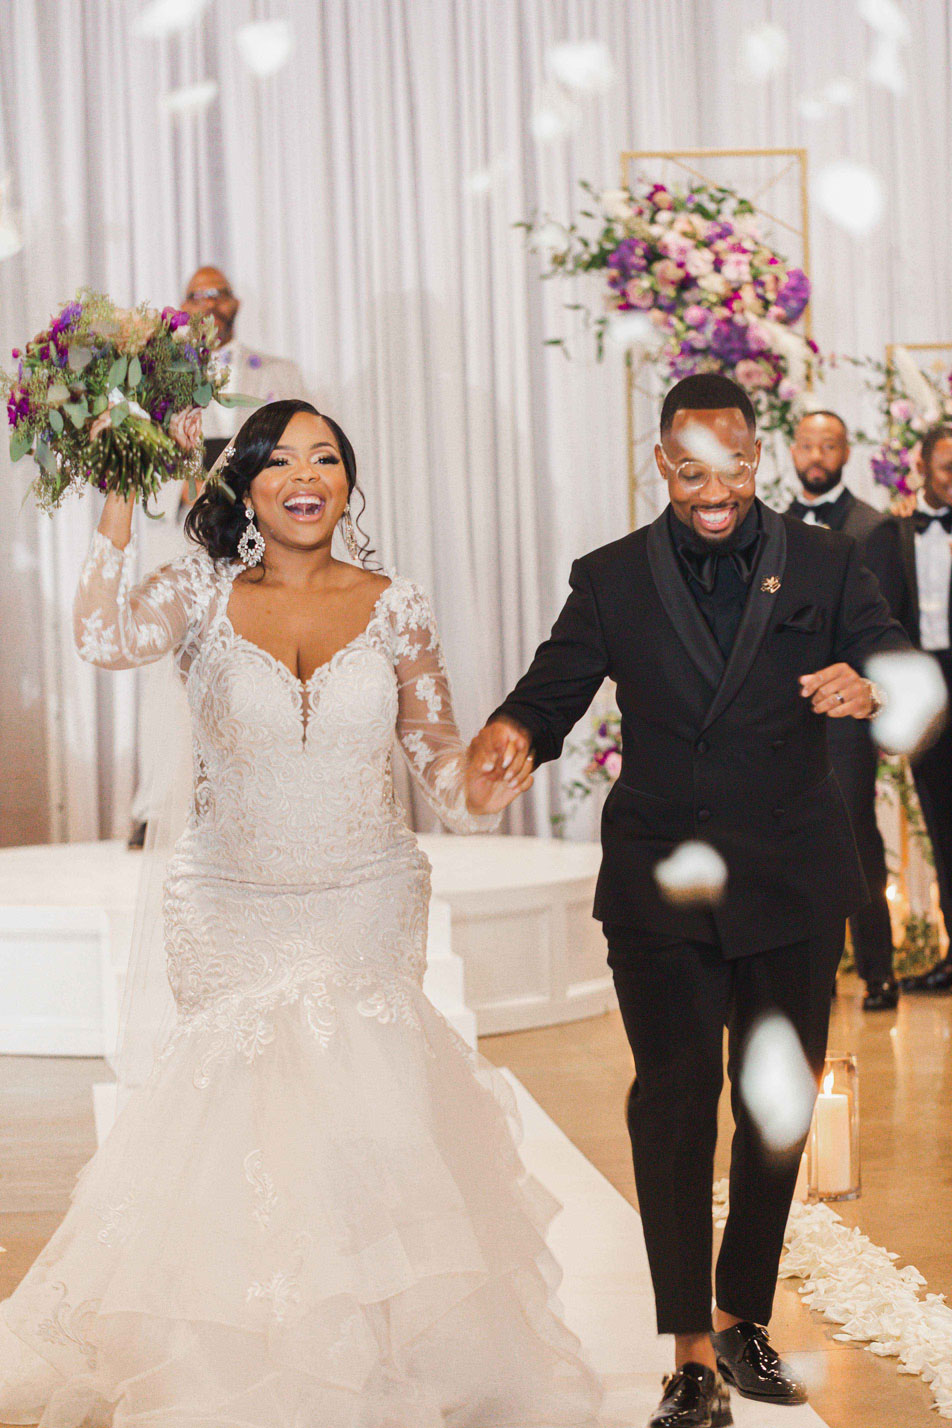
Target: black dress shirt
(719,580)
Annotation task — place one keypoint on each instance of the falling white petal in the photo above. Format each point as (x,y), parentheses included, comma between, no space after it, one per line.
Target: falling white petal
(701,443)
(479,182)
(22,558)
(695,873)
(887,19)
(191,98)
(554,115)
(886,68)
(852,195)
(166,17)
(915,699)
(776,1083)
(548,238)
(265,46)
(585,66)
(841,91)
(11,240)
(812,107)
(764,50)
(631,329)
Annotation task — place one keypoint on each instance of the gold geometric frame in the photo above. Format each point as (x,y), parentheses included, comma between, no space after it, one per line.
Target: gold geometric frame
(794,159)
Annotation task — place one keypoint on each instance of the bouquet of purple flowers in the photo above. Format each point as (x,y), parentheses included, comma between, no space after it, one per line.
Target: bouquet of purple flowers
(106,397)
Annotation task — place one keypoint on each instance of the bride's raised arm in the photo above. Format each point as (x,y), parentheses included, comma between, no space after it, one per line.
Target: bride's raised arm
(117,624)
(426,726)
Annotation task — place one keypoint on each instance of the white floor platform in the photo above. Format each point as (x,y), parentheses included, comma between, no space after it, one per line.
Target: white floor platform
(512,941)
(606,1292)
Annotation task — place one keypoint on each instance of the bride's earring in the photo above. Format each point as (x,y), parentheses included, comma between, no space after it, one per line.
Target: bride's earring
(349,534)
(251,544)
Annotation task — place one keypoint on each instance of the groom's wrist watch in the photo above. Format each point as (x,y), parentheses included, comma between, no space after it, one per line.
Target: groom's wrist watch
(876,698)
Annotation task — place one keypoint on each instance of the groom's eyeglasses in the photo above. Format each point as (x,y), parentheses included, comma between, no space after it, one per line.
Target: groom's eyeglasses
(694,474)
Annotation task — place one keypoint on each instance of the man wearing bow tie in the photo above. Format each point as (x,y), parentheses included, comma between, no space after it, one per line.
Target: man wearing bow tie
(734,636)
(912,557)
(820,452)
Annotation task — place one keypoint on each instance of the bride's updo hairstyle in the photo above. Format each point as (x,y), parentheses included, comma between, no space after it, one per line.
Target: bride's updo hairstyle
(217,520)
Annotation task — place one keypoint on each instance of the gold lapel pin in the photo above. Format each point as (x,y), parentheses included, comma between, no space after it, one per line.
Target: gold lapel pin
(770,584)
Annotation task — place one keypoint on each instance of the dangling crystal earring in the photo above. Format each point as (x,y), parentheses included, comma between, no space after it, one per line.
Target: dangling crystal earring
(349,534)
(251,545)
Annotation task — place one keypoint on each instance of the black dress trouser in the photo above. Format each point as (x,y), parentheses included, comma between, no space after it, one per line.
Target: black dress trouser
(855,759)
(675,1003)
(932,773)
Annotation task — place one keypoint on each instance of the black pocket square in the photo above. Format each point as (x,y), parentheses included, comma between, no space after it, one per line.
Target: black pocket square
(808,620)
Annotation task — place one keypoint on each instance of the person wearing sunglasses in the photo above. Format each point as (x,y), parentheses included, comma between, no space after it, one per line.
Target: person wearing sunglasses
(734,635)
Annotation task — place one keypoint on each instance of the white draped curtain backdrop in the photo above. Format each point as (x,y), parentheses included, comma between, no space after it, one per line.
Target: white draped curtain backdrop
(362,200)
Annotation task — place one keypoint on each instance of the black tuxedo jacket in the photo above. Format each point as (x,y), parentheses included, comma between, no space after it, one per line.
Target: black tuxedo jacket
(891,555)
(728,752)
(850,515)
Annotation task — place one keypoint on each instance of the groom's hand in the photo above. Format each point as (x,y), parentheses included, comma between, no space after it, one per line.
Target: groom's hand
(839,692)
(499,766)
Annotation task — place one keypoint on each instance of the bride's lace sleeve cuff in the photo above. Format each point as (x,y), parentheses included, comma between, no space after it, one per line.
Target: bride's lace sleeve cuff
(426,726)
(117,624)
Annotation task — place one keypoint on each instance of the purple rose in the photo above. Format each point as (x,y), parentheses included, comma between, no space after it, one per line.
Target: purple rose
(174,318)
(254,361)
(67,319)
(729,342)
(794,295)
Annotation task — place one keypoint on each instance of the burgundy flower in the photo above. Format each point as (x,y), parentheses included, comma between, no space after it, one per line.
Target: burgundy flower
(174,318)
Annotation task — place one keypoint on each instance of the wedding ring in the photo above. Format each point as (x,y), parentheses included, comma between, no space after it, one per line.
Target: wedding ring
(841,697)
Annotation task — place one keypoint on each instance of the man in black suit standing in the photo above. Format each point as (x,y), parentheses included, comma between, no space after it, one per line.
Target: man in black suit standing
(912,558)
(820,452)
(732,634)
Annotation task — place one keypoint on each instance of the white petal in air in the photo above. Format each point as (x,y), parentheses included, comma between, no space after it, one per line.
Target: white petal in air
(812,107)
(695,873)
(554,115)
(886,67)
(549,238)
(191,98)
(265,46)
(167,17)
(586,66)
(704,446)
(776,1083)
(11,240)
(840,91)
(915,697)
(764,50)
(632,329)
(851,195)
(887,19)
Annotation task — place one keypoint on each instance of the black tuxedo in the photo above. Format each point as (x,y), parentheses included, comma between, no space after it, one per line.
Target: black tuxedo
(723,749)
(855,760)
(891,553)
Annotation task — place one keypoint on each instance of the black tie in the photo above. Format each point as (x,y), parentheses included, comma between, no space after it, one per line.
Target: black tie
(702,564)
(923,520)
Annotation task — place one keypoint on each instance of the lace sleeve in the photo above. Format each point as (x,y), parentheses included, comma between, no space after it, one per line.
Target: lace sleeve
(117,625)
(426,727)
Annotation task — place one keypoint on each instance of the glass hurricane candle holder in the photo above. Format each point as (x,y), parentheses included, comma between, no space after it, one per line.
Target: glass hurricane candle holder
(833,1145)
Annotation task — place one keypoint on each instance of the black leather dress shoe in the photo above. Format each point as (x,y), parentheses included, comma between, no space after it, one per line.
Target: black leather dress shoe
(881,996)
(694,1397)
(749,1363)
(937,979)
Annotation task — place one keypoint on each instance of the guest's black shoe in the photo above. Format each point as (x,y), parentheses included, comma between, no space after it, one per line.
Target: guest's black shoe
(749,1363)
(694,1397)
(136,839)
(937,979)
(881,996)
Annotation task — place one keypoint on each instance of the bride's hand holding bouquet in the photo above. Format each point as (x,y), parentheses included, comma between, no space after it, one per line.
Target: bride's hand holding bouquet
(111,398)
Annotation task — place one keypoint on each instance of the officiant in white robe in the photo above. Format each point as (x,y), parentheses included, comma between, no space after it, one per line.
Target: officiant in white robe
(251,373)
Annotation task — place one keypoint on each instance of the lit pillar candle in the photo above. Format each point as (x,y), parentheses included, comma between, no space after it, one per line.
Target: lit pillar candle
(832,1140)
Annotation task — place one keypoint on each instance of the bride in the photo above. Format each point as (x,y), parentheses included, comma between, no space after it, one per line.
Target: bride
(312,1214)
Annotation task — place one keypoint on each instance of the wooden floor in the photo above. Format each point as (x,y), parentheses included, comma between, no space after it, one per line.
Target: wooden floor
(580,1075)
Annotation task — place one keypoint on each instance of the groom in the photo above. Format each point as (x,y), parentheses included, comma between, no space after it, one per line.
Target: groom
(733,634)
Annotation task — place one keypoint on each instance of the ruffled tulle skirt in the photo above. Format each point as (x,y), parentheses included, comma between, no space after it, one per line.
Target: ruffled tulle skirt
(311,1234)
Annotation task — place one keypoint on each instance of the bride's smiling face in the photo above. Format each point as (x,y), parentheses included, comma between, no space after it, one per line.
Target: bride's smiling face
(300,493)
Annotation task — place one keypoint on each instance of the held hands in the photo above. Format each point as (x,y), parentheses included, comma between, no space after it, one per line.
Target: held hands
(498,766)
(838,692)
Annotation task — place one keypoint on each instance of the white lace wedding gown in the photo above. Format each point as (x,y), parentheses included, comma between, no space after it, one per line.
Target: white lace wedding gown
(313,1214)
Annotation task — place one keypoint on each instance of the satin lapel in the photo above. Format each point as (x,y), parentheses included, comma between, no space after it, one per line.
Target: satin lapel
(680,605)
(907,551)
(761,602)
